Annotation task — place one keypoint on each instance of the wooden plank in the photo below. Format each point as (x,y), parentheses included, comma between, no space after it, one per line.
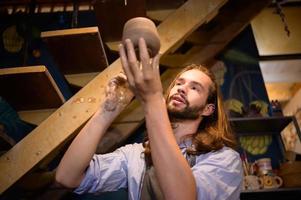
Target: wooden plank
(55,129)
(81,79)
(30,88)
(76,111)
(230,21)
(35,116)
(214,36)
(192,14)
(178,59)
(78,50)
(113,46)
(159,15)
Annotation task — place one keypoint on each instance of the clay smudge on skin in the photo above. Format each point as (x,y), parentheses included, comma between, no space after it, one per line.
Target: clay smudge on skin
(115,93)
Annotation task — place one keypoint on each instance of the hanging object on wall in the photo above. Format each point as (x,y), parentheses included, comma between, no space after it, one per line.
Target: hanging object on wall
(12,41)
(219,69)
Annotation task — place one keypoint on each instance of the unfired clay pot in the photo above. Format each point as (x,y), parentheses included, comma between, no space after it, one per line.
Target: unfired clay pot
(138,27)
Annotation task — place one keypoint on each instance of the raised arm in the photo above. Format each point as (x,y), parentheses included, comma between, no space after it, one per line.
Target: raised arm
(71,169)
(173,172)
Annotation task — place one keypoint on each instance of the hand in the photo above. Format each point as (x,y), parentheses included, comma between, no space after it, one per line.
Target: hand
(117,94)
(144,76)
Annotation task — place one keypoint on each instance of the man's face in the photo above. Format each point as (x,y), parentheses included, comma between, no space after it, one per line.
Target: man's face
(187,99)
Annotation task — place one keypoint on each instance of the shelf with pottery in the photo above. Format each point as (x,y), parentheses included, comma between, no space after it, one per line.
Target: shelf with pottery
(266,133)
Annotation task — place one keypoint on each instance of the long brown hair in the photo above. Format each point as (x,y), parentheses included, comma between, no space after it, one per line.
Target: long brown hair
(214,131)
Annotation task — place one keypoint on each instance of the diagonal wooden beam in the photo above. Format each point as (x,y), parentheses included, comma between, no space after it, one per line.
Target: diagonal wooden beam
(212,39)
(62,124)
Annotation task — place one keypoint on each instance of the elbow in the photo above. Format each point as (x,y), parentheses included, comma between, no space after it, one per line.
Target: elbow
(64,181)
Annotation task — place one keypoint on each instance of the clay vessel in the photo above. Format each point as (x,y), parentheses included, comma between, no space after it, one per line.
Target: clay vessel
(138,27)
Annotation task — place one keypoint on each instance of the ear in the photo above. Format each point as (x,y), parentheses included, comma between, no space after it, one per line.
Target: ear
(208,110)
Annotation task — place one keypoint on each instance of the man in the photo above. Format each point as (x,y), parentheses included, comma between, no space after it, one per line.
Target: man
(188,154)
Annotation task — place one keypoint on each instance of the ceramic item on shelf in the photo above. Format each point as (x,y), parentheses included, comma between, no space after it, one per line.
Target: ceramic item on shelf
(270,181)
(264,166)
(252,182)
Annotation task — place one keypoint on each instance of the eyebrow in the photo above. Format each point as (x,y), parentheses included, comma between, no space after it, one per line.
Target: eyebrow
(193,82)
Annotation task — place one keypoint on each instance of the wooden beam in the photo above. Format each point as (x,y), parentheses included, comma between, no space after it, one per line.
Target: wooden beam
(81,79)
(76,111)
(214,37)
(35,116)
(192,14)
(232,19)
(55,129)
(159,15)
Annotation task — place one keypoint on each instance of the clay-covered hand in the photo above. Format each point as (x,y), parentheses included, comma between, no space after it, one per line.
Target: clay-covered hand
(143,76)
(117,93)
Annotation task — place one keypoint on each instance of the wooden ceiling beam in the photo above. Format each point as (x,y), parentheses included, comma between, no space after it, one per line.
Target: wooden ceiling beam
(214,36)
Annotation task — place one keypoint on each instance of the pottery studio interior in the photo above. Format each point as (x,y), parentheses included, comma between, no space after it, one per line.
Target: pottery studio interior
(108,99)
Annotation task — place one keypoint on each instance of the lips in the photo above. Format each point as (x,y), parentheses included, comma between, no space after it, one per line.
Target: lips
(179,98)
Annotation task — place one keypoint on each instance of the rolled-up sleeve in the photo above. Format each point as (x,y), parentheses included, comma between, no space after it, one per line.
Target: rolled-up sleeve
(107,172)
(218,175)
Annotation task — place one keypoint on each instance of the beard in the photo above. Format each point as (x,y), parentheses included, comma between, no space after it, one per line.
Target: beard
(187,113)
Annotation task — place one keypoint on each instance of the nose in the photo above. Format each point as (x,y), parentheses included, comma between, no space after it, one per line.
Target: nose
(181,90)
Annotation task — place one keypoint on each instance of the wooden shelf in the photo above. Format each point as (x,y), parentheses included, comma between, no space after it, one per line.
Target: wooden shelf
(272,190)
(275,194)
(78,50)
(260,125)
(30,88)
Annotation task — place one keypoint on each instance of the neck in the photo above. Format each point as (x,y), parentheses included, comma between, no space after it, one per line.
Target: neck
(184,127)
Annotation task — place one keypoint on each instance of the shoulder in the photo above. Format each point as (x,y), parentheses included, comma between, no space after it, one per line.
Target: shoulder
(218,174)
(135,147)
(224,161)
(222,156)
(131,150)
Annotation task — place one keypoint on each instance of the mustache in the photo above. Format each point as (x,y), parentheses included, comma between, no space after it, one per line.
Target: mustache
(182,96)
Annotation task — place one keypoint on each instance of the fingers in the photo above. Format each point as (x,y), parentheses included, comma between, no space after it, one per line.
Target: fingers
(155,64)
(131,67)
(125,65)
(132,60)
(144,58)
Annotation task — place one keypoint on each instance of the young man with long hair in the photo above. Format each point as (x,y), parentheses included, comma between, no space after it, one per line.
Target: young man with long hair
(189,152)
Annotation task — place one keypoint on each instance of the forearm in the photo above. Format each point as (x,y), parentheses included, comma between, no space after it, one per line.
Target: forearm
(71,169)
(171,167)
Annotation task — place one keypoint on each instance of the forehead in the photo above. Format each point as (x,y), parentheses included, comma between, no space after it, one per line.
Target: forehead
(196,76)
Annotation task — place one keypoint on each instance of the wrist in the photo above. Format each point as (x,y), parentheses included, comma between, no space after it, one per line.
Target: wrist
(105,117)
(153,101)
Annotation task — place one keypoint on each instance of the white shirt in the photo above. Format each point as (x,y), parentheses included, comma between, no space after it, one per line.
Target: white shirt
(218,174)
